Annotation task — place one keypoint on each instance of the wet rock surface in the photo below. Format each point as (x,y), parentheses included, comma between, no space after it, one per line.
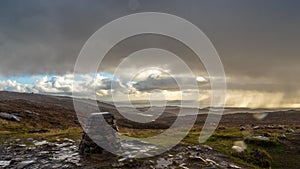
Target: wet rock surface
(42,154)
(199,156)
(64,154)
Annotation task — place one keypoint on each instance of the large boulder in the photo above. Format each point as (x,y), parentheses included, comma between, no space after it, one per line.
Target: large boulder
(95,129)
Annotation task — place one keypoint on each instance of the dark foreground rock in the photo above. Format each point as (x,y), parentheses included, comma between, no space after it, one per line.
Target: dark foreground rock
(41,154)
(64,154)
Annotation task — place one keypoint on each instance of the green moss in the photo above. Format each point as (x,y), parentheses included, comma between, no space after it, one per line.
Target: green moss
(256,156)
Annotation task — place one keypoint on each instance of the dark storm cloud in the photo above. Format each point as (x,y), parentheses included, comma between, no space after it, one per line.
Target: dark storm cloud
(130,45)
(256,39)
(38,37)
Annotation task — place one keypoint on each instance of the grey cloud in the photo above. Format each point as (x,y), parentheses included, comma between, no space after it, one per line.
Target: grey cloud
(48,35)
(152,83)
(45,37)
(130,45)
(257,39)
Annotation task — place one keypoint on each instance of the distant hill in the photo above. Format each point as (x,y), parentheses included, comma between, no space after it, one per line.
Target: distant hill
(54,111)
(58,112)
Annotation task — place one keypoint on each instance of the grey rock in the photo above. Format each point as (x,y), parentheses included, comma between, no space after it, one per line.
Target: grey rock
(10,117)
(207,147)
(260,138)
(237,149)
(56,166)
(68,140)
(257,127)
(212,162)
(291,131)
(29,139)
(151,162)
(5,163)
(122,159)
(28,114)
(183,166)
(43,153)
(194,157)
(110,138)
(242,128)
(163,163)
(24,164)
(232,166)
(282,136)
(40,143)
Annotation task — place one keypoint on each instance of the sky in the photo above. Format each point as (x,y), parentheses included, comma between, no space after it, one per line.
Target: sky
(257,41)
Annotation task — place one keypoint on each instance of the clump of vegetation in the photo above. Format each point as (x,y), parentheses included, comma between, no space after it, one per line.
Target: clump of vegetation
(262,143)
(255,156)
(9,131)
(259,153)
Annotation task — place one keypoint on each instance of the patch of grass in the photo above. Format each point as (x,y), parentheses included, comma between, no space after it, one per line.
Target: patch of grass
(147,135)
(139,133)
(259,153)
(71,133)
(53,134)
(11,126)
(256,156)
(10,130)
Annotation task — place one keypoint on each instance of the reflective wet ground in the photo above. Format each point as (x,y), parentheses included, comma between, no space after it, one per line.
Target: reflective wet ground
(64,154)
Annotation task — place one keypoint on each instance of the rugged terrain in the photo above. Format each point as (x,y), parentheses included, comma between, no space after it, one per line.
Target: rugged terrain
(45,132)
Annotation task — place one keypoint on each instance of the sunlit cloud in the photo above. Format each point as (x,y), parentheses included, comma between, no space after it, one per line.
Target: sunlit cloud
(200,79)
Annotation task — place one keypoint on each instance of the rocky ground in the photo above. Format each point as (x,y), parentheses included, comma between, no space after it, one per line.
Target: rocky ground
(41,154)
(38,131)
(64,154)
(27,153)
